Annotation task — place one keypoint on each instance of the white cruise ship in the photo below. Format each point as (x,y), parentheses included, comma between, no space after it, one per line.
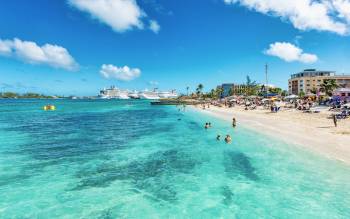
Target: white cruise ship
(149,95)
(167,94)
(113,93)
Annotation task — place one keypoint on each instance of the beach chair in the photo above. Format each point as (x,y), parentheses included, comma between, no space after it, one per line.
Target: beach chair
(343,115)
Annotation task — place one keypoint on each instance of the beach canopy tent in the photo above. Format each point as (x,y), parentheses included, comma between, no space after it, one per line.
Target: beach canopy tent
(270,95)
(274,98)
(336,98)
(231,97)
(293,96)
(310,95)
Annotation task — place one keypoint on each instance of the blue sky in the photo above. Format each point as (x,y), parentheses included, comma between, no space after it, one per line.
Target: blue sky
(189,42)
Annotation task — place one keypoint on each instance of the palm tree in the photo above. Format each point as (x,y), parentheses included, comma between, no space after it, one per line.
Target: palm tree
(284,93)
(275,90)
(219,91)
(212,93)
(328,86)
(231,91)
(199,89)
(252,87)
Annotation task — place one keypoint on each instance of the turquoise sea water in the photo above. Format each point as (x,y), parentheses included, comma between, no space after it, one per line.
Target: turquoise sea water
(127,159)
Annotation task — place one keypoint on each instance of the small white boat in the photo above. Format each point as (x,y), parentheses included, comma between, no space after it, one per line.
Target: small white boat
(134,95)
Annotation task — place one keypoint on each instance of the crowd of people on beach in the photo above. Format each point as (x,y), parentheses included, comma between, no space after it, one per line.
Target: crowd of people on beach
(340,109)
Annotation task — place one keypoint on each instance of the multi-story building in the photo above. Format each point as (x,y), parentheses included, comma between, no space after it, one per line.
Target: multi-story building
(310,80)
(226,89)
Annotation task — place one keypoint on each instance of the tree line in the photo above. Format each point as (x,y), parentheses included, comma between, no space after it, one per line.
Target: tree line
(12,95)
(252,88)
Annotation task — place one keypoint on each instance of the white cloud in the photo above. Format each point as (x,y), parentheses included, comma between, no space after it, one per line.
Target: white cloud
(5,47)
(120,15)
(154,26)
(290,53)
(30,52)
(343,7)
(120,73)
(321,15)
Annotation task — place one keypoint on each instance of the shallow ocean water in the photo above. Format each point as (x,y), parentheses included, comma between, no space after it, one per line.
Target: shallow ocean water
(127,159)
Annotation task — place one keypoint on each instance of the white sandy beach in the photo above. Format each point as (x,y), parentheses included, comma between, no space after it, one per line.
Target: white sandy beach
(315,132)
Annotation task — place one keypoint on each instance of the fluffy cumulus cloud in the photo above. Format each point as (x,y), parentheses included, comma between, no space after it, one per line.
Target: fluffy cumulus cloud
(30,52)
(321,15)
(290,53)
(120,73)
(343,7)
(120,15)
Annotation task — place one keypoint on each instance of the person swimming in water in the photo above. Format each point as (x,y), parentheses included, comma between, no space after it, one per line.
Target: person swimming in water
(206,125)
(234,122)
(218,137)
(228,139)
(209,125)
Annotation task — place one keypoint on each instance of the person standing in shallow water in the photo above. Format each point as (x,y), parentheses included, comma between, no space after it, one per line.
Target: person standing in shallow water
(234,122)
(228,139)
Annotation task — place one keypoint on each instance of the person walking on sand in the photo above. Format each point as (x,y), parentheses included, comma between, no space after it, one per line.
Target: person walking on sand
(335,120)
(234,122)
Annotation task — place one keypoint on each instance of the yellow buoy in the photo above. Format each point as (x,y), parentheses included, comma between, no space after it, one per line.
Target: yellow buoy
(49,107)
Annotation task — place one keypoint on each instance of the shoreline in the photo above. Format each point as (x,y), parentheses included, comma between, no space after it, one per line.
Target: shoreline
(314,132)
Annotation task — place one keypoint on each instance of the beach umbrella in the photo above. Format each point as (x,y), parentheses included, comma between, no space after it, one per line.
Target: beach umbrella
(310,95)
(293,96)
